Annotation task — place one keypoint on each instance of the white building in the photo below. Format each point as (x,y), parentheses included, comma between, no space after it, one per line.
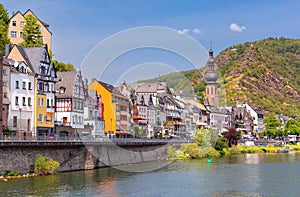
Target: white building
(93,114)
(21,111)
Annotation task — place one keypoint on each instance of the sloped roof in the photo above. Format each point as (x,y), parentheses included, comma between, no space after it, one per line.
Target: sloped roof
(33,56)
(107,86)
(67,81)
(42,22)
(149,87)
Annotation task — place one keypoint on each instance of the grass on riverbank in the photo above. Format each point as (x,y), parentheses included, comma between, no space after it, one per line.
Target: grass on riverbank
(193,151)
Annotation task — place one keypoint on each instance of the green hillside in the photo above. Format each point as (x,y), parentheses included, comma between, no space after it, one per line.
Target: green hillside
(266,73)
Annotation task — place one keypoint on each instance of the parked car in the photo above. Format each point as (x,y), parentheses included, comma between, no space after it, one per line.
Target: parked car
(50,137)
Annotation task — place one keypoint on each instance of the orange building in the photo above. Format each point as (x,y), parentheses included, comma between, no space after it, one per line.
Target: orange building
(115,108)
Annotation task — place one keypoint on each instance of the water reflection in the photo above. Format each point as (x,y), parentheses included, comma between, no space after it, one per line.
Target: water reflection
(243,175)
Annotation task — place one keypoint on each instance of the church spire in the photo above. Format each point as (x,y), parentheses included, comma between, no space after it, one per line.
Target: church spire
(211,53)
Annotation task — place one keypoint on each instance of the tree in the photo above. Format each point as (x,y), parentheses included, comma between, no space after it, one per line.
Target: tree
(272,126)
(205,138)
(31,32)
(271,121)
(231,137)
(221,144)
(62,67)
(4,19)
(292,127)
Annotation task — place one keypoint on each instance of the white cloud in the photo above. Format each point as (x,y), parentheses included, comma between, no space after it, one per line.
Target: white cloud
(237,28)
(184,31)
(197,31)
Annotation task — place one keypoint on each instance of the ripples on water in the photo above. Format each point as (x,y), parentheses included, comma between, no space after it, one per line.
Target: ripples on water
(243,175)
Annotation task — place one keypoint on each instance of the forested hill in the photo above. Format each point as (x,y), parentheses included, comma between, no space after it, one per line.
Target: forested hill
(265,72)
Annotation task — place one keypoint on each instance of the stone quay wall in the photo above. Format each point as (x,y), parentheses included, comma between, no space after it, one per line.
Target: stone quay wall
(73,157)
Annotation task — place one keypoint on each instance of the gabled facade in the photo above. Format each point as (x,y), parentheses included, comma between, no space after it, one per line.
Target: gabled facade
(38,60)
(116,108)
(16,24)
(70,99)
(21,110)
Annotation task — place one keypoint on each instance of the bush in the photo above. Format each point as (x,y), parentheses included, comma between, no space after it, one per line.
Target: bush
(11,173)
(221,144)
(235,150)
(45,165)
(171,151)
(191,150)
(213,153)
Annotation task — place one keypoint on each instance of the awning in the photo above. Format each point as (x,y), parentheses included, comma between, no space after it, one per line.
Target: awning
(139,118)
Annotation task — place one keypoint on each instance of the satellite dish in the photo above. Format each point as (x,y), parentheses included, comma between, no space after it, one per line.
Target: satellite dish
(16,64)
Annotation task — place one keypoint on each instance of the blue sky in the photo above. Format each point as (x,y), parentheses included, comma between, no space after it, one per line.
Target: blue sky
(78,26)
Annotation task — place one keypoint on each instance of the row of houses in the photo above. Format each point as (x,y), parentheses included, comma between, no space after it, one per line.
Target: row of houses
(37,101)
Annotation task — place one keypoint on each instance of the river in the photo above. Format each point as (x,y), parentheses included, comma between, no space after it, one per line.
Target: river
(241,175)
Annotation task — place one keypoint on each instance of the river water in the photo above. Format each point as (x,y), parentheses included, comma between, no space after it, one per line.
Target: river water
(242,175)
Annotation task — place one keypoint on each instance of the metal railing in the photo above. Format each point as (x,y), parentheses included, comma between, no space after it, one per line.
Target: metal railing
(59,140)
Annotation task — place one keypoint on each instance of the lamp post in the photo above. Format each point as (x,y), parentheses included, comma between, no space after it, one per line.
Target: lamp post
(110,126)
(20,109)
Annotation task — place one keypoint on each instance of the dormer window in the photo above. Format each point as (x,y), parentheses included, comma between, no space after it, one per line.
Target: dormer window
(45,56)
(43,70)
(62,90)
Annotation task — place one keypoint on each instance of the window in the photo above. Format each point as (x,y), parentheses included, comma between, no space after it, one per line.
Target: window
(4,95)
(39,101)
(4,83)
(15,121)
(21,35)
(48,103)
(29,86)
(43,70)
(13,34)
(16,100)
(22,23)
(14,23)
(41,117)
(52,102)
(29,101)
(41,86)
(17,85)
(42,102)
(24,85)
(4,71)
(24,101)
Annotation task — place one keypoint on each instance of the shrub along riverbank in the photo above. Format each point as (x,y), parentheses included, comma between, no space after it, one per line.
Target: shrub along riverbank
(42,166)
(193,151)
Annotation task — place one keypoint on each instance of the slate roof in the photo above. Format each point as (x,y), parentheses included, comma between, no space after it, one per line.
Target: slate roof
(149,87)
(66,80)
(33,56)
(107,86)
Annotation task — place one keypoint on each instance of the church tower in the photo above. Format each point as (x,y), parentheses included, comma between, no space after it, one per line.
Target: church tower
(211,81)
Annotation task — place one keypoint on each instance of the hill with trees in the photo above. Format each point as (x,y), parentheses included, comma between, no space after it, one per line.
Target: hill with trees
(266,73)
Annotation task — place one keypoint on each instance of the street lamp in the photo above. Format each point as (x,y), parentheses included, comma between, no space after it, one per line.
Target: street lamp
(110,126)
(20,109)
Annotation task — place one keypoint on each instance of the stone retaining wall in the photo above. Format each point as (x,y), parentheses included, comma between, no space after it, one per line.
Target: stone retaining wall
(78,157)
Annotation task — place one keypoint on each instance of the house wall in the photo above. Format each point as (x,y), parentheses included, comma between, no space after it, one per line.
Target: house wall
(47,36)
(27,111)
(108,107)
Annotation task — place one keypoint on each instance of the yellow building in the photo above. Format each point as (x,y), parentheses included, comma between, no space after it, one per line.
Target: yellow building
(16,24)
(115,108)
